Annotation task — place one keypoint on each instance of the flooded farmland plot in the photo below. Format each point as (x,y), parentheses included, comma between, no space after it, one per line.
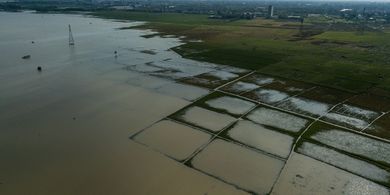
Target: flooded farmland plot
(231,105)
(303,175)
(259,137)
(214,78)
(351,116)
(353,143)
(277,91)
(240,87)
(248,84)
(234,164)
(314,102)
(305,106)
(259,79)
(290,87)
(268,96)
(277,119)
(175,140)
(207,119)
(348,163)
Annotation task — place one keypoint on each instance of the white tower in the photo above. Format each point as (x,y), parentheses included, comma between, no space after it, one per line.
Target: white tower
(71,40)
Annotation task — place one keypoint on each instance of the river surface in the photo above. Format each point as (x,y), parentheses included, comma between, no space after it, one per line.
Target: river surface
(65,130)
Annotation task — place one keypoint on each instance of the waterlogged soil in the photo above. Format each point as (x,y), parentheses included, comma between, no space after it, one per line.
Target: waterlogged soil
(259,79)
(356,144)
(358,112)
(275,91)
(175,140)
(346,121)
(345,162)
(246,169)
(207,119)
(240,87)
(289,87)
(221,75)
(214,78)
(351,116)
(305,106)
(231,105)
(268,96)
(278,119)
(306,176)
(262,138)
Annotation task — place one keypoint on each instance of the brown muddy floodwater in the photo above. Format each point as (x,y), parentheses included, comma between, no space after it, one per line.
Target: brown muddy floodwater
(96,122)
(66,130)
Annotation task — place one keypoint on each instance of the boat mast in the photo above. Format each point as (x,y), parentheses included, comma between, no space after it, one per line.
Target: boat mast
(71,40)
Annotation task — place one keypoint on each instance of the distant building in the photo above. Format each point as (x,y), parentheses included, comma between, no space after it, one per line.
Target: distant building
(270,11)
(124,7)
(313,15)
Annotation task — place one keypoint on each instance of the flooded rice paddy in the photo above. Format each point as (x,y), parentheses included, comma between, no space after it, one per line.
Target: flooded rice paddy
(306,176)
(270,96)
(352,116)
(278,119)
(262,138)
(355,144)
(207,119)
(176,140)
(346,162)
(305,106)
(240,87)
(194,127)
(250,170)
(231,104)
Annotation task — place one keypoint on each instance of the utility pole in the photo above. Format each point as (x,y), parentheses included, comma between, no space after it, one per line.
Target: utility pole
(71,40)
